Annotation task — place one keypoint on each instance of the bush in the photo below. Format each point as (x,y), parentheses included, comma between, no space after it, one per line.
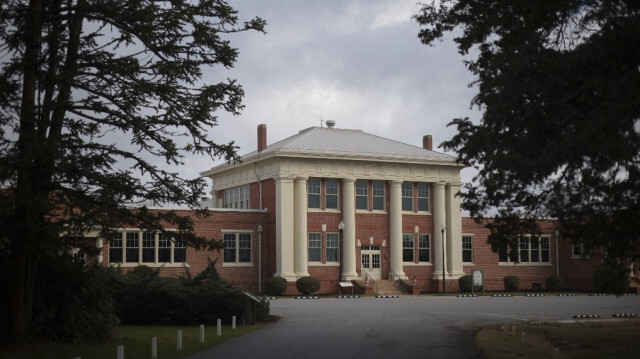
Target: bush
(275,286)
(511,283)
(263,309)
(611,279)
(465,283)
(554,283)
(308,285)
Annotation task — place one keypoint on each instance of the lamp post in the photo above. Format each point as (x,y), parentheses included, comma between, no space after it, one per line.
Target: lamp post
(341,226)
(442,228)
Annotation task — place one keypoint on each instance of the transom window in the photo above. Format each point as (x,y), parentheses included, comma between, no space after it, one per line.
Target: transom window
(528,250)
(237,197)
(142,247)
(237,248)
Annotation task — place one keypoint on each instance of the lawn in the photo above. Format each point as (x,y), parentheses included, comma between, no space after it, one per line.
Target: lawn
(136,341)
(587,339)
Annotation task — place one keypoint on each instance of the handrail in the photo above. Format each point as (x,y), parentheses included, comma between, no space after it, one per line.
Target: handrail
(368,281)
(393,275)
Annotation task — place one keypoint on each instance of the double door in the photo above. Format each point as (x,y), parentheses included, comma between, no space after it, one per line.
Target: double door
(370,261)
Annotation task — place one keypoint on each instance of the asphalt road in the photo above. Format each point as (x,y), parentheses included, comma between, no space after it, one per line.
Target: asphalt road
(405,327)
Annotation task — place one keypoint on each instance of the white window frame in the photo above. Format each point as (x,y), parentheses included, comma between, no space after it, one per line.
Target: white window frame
(235,236)
(408,238)
(314,184)
(423,196)
(407,192)
(375,193)
(469,250)
(140,234)
(327,194)
(362,191)
(543,239)
(317,245)
(332,238)
(237,197)
(427,247)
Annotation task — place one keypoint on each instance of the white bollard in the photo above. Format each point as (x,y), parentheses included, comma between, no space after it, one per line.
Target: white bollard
(556,353)
(154,348)
(179,340)
(233,322)
(219,327)
(201,333)
(522,338)
(120,352)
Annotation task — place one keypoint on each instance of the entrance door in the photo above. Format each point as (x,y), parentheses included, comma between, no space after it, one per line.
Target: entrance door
(370,256)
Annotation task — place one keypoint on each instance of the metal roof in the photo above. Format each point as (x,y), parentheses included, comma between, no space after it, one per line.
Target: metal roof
(336,141)
(345,143)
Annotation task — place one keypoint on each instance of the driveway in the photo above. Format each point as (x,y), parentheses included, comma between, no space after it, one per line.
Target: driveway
(405,327)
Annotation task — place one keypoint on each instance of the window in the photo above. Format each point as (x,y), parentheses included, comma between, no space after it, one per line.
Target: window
(423,197)
(407,196)
(115,249)
(362,195)
(529,250)
(576,249)
(237,247)
(332,247)
(148,247)
(141,247)
(424,246)
(132,252)
(467,249)
(313,193)
(332,194)
(378,196)
(237,197)
(407,247)
(315,247)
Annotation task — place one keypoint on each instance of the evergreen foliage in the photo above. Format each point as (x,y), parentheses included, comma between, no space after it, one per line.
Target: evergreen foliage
(511,283)
(554,283)
(465,283)
(308,285)
(559,87)
(275,286)
(97,98)
(610,278)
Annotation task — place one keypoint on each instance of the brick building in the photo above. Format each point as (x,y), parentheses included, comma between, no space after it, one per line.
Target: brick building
(345,205)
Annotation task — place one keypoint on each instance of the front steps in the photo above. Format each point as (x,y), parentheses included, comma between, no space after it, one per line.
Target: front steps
(386,287)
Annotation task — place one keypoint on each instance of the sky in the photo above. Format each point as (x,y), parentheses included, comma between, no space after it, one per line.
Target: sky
(358,63)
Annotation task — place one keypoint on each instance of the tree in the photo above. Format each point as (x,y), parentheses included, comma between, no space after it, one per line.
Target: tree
(79,78)
(559,89)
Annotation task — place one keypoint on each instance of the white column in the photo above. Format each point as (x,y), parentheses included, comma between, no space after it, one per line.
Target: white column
(100,249)
(284,229)
(300,225)
(454,231)
(439,219)
(349,241)
(395,227)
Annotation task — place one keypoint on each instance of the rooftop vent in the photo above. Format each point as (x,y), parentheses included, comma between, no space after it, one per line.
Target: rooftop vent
(330,123)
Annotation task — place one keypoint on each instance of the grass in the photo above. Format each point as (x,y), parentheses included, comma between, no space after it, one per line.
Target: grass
(136,341)
(592,339)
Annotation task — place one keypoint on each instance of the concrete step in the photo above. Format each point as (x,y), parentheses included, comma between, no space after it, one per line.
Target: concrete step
(387,287)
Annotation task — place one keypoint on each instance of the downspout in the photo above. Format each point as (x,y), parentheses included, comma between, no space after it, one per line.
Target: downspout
(557,233)
(255,171)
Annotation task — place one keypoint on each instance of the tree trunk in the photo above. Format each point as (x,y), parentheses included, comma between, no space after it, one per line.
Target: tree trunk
(22,284)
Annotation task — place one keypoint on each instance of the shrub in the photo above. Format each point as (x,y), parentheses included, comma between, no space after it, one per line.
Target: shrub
(465,283)
(610,279)
(275,286)
(511,283)
(554,283)
(308,285)
(263,309)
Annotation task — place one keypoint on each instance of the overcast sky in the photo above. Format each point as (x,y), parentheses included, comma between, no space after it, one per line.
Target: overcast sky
(359,63)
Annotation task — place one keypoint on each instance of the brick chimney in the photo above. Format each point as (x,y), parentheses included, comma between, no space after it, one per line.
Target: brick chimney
(262,137)
(427,142)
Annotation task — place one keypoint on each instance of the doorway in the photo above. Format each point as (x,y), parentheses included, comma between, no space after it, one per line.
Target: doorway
(370,261)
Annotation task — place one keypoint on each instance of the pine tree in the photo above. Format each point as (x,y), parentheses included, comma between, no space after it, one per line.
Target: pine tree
(559,89)
(92,93)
